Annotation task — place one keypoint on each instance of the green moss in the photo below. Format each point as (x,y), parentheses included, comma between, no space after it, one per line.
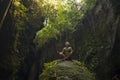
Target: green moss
(66,70)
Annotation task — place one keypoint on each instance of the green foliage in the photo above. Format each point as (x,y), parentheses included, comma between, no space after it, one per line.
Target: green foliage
(88,4)
(50,64)
(60,16)
(19,15)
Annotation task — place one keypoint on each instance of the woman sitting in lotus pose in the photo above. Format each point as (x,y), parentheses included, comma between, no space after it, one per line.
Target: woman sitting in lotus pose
(67,51)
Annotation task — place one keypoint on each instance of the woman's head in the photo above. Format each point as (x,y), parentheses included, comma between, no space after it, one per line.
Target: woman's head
(67,43)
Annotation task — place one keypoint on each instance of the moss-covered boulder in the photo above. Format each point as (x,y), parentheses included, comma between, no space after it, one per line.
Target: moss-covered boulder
(66,70)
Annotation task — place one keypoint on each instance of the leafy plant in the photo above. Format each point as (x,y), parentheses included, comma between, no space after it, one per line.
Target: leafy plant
(60,15)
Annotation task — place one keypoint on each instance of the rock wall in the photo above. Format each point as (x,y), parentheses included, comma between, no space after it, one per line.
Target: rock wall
(66,70)
(97,38)
(17,50)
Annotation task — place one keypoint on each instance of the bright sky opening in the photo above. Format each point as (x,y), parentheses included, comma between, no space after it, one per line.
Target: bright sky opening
(78,1)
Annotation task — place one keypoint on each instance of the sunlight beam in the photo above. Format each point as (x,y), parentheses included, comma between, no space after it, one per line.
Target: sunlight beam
(78,1)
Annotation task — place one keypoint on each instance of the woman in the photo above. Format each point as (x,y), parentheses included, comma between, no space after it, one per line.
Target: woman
(67,51)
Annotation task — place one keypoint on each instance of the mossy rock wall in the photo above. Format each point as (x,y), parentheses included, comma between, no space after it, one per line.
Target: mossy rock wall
(17,50)
(66,70)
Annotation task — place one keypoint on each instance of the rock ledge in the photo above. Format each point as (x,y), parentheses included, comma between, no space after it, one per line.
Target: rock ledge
(66,70)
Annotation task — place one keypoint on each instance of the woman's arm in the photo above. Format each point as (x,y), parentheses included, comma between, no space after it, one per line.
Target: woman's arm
(71,52)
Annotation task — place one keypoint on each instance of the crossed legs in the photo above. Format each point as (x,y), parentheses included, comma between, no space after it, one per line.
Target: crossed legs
(65,57)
